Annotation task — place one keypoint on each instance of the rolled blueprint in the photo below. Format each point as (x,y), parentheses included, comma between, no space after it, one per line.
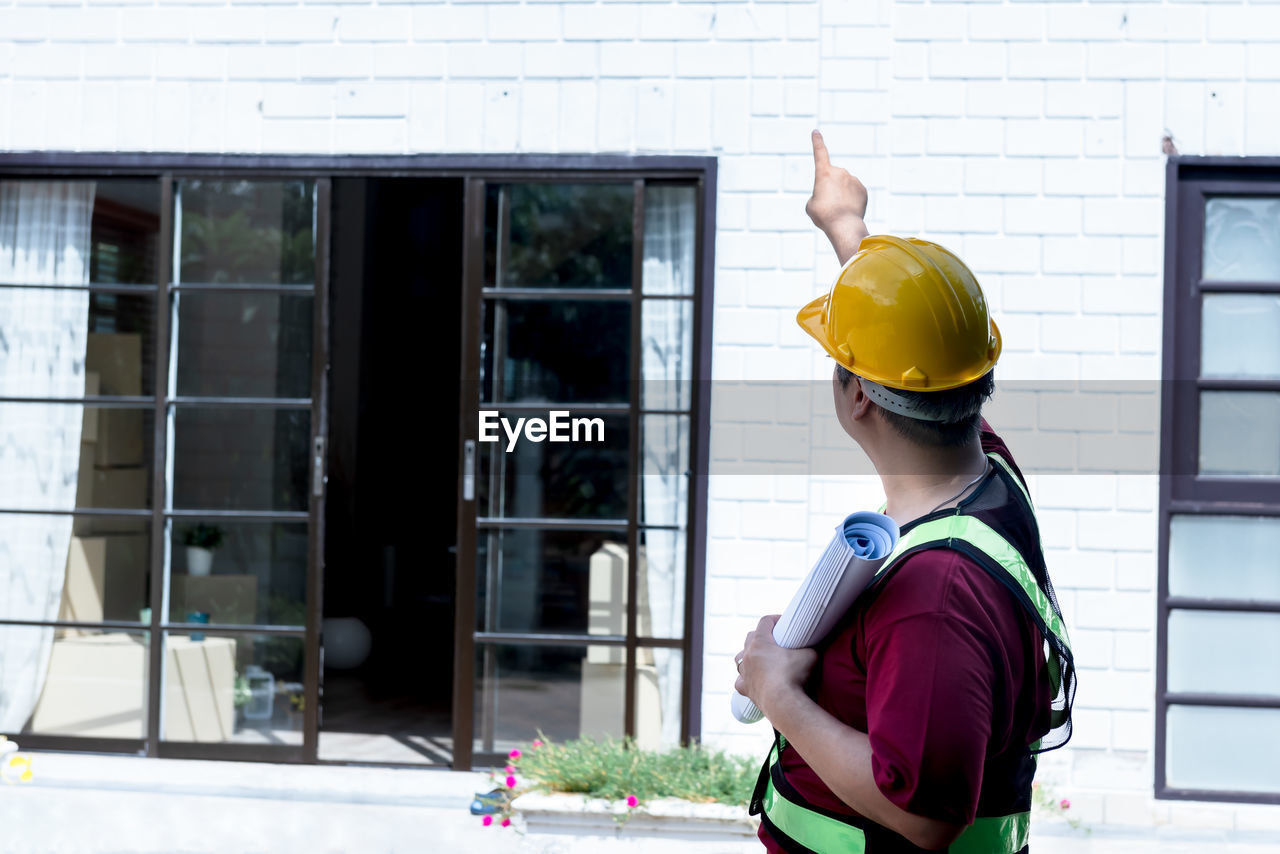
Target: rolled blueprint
(860,544)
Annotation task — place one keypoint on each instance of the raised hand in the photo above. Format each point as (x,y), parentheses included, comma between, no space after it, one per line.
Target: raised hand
(838,203)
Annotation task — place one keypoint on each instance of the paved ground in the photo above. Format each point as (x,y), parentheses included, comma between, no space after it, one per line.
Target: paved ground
(103,805)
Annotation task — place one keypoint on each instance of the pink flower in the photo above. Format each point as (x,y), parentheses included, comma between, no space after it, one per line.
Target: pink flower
(632,801)
(1065,804)
(510,769)
(487,820)
(515,754)
(537,743)
(506,822)
(511,781)
(1036,784)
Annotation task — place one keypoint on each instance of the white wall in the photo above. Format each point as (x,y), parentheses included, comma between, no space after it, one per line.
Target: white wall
(1024,135)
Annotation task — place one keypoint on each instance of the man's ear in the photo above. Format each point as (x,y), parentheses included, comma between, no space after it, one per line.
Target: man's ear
(862,404)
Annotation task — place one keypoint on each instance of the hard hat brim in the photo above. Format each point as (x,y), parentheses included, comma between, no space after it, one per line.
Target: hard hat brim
(810,318)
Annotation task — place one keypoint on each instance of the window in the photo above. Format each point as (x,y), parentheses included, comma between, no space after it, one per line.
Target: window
(185,334)
(1218,680)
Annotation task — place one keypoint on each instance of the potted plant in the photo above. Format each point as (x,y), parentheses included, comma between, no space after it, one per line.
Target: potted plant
(200,541)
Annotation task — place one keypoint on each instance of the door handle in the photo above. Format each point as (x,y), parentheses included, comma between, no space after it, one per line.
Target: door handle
(317,470)
(469,470)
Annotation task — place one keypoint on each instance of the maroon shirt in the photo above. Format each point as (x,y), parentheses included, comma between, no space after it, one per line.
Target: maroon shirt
(942,668)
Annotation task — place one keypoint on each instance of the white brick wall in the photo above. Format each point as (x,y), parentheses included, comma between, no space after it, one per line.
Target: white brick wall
(1025,135)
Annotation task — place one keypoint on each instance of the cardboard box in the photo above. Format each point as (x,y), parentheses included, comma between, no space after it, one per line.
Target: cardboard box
(89,432)
(120,439)
(96,686)
(83,588)
(117,359)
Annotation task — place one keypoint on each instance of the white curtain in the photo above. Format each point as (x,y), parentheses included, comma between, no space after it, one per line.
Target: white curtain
(667,362)
(44,240)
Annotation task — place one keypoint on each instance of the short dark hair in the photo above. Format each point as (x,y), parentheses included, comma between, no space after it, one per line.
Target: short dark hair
(960,408)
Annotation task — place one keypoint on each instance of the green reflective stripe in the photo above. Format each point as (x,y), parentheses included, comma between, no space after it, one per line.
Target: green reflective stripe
(983,537)
(811,829)
(1004,834)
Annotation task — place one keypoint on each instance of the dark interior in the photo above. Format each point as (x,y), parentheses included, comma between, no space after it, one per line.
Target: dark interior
(391,515)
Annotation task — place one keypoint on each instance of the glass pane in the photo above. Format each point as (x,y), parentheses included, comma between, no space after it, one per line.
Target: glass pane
(1224,652)
(664,484)
(565,351)
(1242,239)
(60,456)
(1241,336)
(660,587)
(560,235)
(244,345)
(658,692)
(666,335)
(1211,747)
(1197,567)
(562,691)
(259,232)
(238,572)
(126,228)
(241,459)
(1240,432)
(244,688)
(579,470)
(120,350)
(670,236)
(568,582)
(94,682)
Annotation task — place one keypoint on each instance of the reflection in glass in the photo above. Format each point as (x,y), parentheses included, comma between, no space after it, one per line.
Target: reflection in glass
(660,587)
(244,345)
(1242,239)
(1230,749)
(241,459)
(126,227)
(120,352)
(1196,567)
(562,691)
(583,477)
(670,235)
(1240,433)
(1223,652)
(255,232)
(532,580)
(560,235)
(1241,336)
(666,336)
(664,484)
(238,572)
(233,688)
(563,351)
(94,683)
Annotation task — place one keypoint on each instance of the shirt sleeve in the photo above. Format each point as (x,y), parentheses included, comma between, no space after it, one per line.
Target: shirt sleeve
(929,693)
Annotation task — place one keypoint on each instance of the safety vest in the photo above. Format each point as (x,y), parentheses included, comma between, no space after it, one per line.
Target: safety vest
(784,811)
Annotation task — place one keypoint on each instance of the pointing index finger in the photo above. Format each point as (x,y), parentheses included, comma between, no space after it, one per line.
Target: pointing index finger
(820,156)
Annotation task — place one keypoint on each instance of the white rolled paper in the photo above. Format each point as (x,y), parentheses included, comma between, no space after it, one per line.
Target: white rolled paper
(860,544)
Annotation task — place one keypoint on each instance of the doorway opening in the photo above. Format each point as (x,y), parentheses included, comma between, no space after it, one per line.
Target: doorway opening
(391,515)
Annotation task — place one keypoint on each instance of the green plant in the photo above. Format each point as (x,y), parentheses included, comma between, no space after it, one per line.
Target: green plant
(1047,803)
(241,694)
(618,771)
(203,536)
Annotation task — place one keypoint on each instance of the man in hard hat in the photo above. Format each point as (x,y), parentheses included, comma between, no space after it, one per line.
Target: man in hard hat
(915,724)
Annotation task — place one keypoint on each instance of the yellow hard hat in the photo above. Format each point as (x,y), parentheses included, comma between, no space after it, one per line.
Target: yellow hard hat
(908,314)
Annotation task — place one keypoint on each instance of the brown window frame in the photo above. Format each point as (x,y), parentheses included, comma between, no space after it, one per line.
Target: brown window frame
(1189,182)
